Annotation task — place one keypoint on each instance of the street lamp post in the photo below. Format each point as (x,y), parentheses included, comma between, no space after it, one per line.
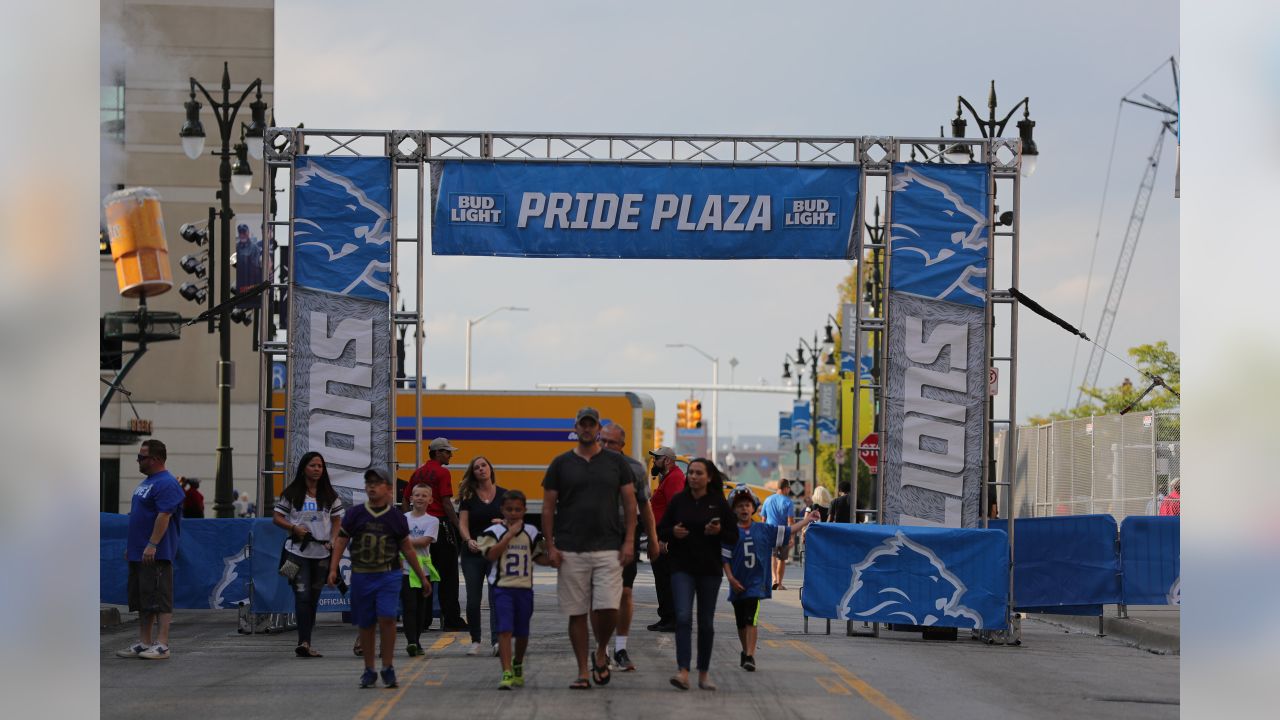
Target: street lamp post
(241,178)
(993,128)
(787,362)
(715,394)
(813,414)
(477,321)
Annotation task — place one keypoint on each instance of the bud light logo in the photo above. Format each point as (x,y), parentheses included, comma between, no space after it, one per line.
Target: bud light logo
(812,213)
(477,209)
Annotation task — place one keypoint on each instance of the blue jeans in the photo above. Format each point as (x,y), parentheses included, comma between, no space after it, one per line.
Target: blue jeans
(474,570)
(683,589)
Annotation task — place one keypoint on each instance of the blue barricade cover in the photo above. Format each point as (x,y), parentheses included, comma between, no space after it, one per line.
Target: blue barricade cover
(1060,562)
(642,210)
(1151,556)
(212,569)
(909,575)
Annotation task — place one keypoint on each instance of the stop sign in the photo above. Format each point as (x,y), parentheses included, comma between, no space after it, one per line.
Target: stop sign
(869,451)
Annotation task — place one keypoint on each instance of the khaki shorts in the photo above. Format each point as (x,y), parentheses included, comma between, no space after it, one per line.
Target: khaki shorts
(589,581)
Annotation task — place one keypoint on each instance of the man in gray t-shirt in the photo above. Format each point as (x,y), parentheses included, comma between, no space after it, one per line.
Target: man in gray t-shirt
(614,439)
(587,540)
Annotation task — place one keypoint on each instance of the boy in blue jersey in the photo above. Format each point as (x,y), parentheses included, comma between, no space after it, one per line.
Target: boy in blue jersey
(747,567)
(512,548)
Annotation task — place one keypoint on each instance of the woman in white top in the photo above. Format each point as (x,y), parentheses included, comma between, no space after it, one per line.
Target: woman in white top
(310,511)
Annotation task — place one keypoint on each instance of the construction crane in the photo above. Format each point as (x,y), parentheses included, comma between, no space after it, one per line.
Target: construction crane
(1168,125)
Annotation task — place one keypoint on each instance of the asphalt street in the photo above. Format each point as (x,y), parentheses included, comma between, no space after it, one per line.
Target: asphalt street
(219,674)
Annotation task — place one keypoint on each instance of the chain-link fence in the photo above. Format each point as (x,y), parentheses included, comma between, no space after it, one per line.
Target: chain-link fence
(1117,464)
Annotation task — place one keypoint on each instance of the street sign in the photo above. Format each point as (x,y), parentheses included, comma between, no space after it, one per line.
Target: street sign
(993,381)
(869,451)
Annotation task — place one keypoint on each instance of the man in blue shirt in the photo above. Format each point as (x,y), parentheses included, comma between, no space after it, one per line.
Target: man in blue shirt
(154,525)
(779,510)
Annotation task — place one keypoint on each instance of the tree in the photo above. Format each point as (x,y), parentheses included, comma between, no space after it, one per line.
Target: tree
(1153,359)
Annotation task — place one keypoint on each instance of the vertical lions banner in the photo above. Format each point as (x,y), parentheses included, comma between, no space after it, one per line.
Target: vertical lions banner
(642,210)
(340,349)
(828,413)
(937,345)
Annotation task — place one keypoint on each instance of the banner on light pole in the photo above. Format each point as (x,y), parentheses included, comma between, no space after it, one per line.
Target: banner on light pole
(828,413)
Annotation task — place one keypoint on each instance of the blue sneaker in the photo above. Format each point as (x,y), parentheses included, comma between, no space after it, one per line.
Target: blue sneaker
(388,676)
(369,678)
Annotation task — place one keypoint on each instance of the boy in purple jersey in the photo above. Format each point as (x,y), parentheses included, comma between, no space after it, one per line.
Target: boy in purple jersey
(747,567)
(376,532)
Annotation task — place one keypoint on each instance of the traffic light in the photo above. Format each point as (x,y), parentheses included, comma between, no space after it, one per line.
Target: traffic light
(689,414)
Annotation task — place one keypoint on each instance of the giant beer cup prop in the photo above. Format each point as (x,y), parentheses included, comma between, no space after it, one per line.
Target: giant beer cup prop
(137,242)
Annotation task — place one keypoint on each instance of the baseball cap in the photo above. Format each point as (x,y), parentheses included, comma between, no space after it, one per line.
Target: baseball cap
(588,412)
(663,451)
(743,491)
(378,473)
(441,444)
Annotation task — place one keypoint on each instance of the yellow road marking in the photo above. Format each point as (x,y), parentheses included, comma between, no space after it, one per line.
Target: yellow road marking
(771,627)
(868,693)
(832,685)
(773,643)
(443,642)
(379,707)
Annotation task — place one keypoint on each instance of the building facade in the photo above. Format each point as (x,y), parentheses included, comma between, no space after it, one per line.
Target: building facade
(149,50)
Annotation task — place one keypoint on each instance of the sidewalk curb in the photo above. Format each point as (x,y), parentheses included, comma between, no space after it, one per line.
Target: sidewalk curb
(109,617)
(1131,631)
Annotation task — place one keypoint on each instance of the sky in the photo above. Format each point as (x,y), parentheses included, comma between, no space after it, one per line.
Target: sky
(747,67)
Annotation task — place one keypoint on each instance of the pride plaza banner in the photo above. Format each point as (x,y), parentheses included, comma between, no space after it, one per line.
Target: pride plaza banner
(340,346)
(641,210)
(937,345)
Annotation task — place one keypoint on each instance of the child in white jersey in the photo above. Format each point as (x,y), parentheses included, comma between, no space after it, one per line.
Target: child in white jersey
(423,530)
(512,548)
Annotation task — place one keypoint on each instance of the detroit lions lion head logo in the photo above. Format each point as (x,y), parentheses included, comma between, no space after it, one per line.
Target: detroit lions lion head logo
(939,232)
(879,588)
(342,226)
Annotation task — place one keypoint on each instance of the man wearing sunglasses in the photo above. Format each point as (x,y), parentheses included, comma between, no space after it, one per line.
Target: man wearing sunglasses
(154,524)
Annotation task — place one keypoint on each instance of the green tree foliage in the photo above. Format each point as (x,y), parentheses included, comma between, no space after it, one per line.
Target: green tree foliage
(1154,359)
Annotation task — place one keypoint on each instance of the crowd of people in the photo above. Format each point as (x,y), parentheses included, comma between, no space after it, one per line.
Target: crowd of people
(405,549)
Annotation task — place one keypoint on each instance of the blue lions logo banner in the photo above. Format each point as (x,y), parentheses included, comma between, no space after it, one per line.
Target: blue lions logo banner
(644,210)
(939,232)
(342,225)
(914,576)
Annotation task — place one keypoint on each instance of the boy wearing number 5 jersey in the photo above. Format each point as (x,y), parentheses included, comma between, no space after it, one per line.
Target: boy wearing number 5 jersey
(747,567)
(512,548)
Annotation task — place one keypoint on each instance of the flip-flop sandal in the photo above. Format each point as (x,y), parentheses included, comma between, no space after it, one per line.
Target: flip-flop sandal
(600,675)
(359,651)
(306,651)
(580,684)
(679,684)
(706,685)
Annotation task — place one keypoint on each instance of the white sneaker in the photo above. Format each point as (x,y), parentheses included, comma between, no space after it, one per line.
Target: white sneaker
(132,651)
(495,649)
(155,652)
(475,649)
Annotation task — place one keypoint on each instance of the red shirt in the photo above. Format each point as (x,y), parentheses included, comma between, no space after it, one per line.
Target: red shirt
(436,477)
(1172,504)
(667,489)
